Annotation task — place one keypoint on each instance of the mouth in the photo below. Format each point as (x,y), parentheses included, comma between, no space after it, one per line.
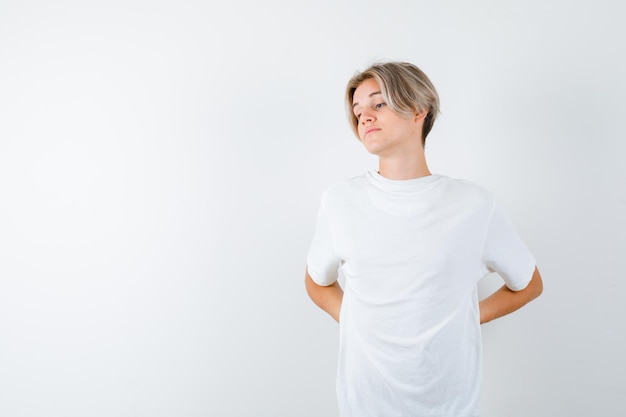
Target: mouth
(370,130)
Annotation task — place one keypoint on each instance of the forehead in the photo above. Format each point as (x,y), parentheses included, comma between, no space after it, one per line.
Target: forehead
(364,90)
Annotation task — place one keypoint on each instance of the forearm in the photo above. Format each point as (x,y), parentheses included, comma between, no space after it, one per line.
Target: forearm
(328,298)
(505,301)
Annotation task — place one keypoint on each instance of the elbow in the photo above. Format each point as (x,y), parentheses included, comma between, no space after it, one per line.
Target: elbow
(537,284)
(307,285)
(539,290)
(310,286)
(536,291)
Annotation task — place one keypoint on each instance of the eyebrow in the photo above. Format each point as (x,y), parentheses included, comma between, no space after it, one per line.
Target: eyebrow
(371,94)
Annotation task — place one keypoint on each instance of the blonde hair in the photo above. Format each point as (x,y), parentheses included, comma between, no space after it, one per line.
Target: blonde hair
(405,89)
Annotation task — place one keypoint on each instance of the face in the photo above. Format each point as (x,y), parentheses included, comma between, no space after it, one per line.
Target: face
(383,131)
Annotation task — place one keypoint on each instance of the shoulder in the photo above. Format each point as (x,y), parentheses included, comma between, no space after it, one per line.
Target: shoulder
(345,189)
(467,191)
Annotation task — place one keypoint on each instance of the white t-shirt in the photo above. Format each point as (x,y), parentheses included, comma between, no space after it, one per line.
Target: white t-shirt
(412,253)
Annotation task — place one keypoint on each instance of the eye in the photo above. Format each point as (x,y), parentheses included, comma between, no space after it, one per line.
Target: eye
(358,116)
(379,105)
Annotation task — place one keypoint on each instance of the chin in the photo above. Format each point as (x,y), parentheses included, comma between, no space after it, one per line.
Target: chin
(373,147)
(374,150)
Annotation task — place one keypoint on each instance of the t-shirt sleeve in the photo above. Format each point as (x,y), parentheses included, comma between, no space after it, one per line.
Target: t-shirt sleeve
(322,260)
(504,251)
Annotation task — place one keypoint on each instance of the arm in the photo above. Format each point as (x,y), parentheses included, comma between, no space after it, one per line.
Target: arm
(505,301)
(327,298)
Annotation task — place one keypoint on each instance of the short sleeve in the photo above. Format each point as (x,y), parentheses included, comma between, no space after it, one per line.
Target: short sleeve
(504,251)
(322,260)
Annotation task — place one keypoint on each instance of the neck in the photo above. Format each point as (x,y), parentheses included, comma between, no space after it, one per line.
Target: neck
(405,166)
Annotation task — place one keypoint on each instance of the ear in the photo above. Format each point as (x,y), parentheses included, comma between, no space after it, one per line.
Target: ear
(420,115)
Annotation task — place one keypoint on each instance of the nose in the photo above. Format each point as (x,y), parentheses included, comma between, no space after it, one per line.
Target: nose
(367,117)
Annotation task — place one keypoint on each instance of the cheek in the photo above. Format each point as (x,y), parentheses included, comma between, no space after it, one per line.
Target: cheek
(359,130)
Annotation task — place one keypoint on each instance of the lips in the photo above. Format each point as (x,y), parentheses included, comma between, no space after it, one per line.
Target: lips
(370,130)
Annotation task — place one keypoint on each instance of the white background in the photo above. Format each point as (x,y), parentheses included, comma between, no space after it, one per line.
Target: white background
(161,163)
